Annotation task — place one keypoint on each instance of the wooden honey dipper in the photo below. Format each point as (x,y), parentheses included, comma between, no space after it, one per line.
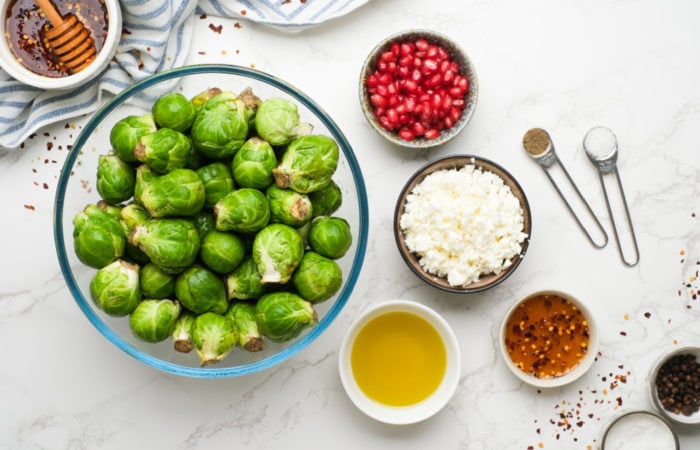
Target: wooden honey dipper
(68,39)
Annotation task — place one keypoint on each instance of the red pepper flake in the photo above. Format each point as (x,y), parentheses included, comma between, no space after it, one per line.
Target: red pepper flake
(216,28)
(202,52)
(244,12)
(49,146)
(237,25)
(202,16)
(45,185)
(623,333)
(29,207)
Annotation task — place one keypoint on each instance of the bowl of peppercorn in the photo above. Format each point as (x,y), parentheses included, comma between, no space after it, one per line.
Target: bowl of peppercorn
(62,47)
(675,385)
(418,89)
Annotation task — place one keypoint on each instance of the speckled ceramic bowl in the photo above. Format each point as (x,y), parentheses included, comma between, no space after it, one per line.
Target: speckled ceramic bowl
(678,418)
(456,54)
(413,260)
(20,72)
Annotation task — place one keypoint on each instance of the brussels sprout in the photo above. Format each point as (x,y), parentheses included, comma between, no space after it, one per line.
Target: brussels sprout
(171,244)
(115,288)
(243,317)
(326,201)
(179,192)
(214,336)
(182,332)
(245,282)
(330,236)
(277,121)
(98,237)
(144,176)
(200,99)
(221,126)
(112,210)
(244,210)
(153,320)
(125,134)
(173,110)
(277,251)
(253,163)
(200,290)
(251,102)
(288,207)
(221,251)
(282,316)
(217,180)
(155,283)
(307,164)
(204,222)
(115,179)
(164,150)
(317,278)
(131,215)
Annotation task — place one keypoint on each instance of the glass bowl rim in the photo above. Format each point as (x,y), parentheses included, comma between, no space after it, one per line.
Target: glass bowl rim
(211,372)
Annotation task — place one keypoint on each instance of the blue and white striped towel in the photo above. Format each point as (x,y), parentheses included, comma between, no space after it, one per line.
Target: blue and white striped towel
(158,39)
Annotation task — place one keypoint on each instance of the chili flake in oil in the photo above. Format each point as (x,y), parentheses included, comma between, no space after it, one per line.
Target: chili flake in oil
(547,336)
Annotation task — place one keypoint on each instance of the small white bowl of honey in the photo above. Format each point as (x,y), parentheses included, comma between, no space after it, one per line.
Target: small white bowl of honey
(400,362)
(548,339)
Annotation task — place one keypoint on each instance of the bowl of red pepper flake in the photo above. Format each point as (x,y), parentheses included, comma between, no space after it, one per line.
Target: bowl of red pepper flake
(418,89)
(548,339)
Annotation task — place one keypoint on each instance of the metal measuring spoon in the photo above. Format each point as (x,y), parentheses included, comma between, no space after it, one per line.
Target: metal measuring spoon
(539,146)
(600,144)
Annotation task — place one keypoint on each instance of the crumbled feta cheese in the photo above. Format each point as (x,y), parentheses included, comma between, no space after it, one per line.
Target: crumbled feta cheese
(463,223)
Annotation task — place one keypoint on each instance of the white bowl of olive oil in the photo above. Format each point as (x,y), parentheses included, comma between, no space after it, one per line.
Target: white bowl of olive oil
(400,362)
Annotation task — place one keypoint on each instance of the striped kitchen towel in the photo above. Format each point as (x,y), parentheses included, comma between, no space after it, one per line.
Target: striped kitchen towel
(158,35)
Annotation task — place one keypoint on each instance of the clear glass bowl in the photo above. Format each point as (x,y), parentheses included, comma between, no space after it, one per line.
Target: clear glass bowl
(76,189)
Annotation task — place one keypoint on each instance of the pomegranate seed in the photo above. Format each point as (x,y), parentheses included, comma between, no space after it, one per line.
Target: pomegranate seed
(422,44)
(455,91)
(432,51)
(436,101)
(446,103)
(395,48)
(417,62)
(407,48)
(443,53)
(384,122)
(387,56)
(430,65)
(431,134)
(379,111)
(381,90)
(418,128)
(462,83)
(371,81)
(416,75)
(410,104)
(448,76)
(385,78)
(378,100)
(406,134)
(392,116)
(404,118)
(458,103)
(434,80)
(403,72)
(448,122)
(406,61)
(455,115)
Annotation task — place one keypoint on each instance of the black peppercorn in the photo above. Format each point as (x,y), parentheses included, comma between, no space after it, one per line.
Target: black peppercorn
(678,383)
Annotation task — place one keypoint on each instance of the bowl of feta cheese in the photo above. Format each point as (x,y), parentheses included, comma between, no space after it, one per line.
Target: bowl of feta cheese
(462,223)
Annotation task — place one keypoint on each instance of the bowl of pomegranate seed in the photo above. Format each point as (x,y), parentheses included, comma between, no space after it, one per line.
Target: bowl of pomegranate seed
(418,88)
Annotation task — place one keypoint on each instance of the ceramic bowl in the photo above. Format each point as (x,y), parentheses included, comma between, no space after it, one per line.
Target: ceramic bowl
(486,281)
(578,370)
(455,52)
(416,412)
(639,429)
(76,189)
(678,418)
(10,64)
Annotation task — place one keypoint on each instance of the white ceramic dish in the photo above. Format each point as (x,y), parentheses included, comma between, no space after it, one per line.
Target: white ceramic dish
(693,419)
(406,414)
(639,429)
(19,72)
(573,374)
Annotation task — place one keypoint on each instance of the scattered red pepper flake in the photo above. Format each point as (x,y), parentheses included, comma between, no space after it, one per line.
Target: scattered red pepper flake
(29,207)
(244,12)
(216,28)
(237,25)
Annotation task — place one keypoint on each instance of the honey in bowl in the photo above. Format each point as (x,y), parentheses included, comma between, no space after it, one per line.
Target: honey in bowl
(25,25)
(547,336)
(398,359)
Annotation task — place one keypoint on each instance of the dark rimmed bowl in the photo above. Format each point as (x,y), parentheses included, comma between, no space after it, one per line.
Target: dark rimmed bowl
(456,53)
(457,162)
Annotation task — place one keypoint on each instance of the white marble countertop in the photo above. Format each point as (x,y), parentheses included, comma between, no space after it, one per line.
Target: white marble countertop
(565,66)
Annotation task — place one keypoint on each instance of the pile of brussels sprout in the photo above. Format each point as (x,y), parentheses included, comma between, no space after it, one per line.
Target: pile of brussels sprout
(215,226)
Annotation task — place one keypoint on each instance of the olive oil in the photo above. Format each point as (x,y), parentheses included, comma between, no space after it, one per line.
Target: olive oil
(398,359)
